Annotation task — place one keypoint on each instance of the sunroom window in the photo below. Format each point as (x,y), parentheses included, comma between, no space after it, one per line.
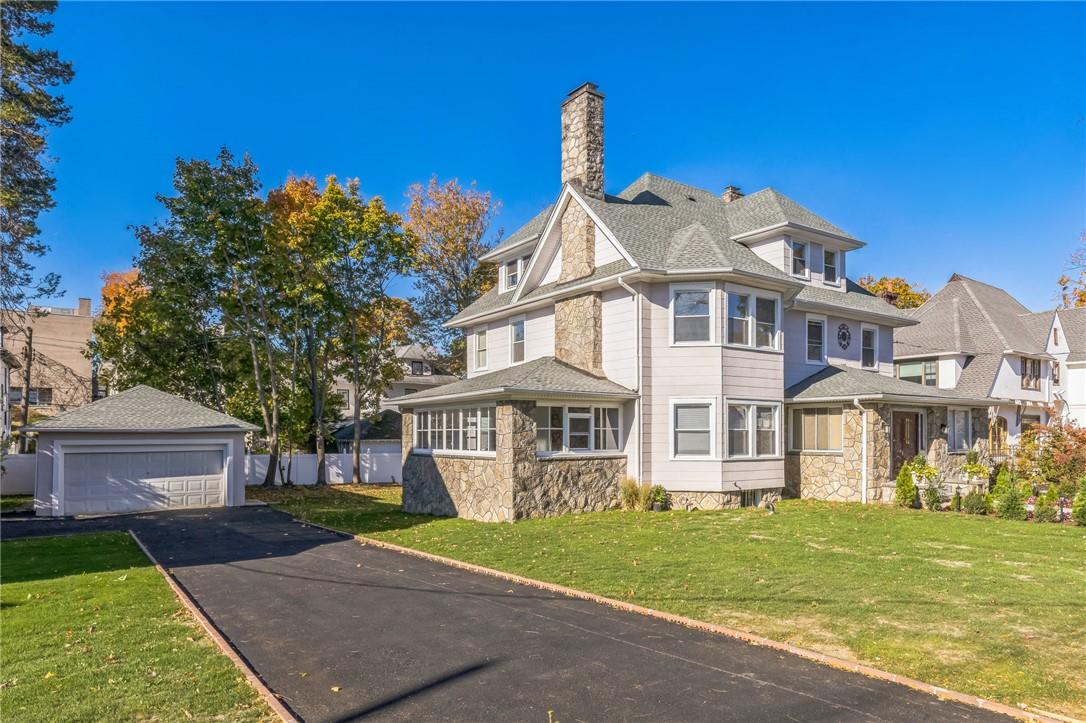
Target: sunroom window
(576,428)
(466,429)
(816,429)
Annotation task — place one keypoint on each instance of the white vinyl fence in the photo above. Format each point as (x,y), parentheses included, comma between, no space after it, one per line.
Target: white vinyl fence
(380,462)
(18,475)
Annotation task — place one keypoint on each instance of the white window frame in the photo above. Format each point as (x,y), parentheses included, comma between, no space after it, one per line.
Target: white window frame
(806,332)
(836,266)
(875,329)
(709,286)
(480,332)
(950,429)
(752,432)
(792,243)
(691,401)
(591,415)
(792,431)
(460,430)
(753,295)
(522,266)
(345,395)
(512,342)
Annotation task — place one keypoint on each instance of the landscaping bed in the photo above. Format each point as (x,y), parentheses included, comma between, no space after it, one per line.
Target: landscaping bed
(986,606)
(91,631)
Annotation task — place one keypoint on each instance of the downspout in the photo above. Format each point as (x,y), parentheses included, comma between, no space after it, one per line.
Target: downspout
(635,296)
(863,452)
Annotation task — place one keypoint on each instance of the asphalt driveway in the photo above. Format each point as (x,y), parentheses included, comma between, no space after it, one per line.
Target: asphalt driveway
(343,631)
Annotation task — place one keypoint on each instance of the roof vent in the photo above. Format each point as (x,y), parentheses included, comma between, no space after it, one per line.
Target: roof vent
(731,193)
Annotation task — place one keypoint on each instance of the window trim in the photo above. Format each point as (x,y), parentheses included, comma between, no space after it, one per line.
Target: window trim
(792,430)
(968,429)
(522,266)
(476,333)
(806,339)
(692,401)
(513,321)
(428,450)
(1030,363)
(792,243)
(836,266)
(592,407)
(752,432)
(872,327)
(752,317)
(709,286)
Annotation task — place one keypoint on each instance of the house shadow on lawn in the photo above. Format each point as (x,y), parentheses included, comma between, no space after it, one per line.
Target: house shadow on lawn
(48,558)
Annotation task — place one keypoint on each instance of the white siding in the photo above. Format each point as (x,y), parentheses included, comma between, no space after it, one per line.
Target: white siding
(1074,379)
(775,251)
(539,333)
(605,250)
(619,337)
(554,268)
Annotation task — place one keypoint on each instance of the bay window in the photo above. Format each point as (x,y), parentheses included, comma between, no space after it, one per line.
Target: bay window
(691,314)
(765,323)
(817,429)
(738,319)
(462,429)
(743,316)
(752,430)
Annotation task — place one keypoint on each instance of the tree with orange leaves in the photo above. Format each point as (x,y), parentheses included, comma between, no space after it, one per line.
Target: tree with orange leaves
(1073,283)
(895,290)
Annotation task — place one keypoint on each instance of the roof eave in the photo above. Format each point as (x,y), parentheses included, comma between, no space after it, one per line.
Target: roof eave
(510,392)
(500,251)
(128,430)
(893,398)
(750,236)
(852,312)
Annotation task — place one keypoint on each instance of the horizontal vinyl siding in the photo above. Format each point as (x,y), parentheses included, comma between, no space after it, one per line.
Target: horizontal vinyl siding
(619,337)
(539,333)
(795,346)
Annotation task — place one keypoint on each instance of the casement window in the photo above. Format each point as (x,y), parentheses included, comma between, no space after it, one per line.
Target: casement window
(924,372)
(742,316)
(817,429)
(752,430)
(816,340)
(516,341)
(692,317)
(692,428)
(1031,373)
(480,348)
(462,429)
(869,347)
(738,319)
(799,259)
(576,429)
(959,433)
(1055,372)
(829,267)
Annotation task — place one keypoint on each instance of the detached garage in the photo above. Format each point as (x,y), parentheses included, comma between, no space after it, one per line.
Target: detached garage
(140,450)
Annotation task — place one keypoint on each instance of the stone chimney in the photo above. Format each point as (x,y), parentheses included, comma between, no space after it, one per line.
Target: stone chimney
(731,193)
(582,140)
(84,307)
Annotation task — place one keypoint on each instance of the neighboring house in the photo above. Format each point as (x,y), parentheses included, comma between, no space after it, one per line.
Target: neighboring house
(60,373)
(712,344)
(1064,335)
(420,373)
(385,428)
(977,340)
(8,363)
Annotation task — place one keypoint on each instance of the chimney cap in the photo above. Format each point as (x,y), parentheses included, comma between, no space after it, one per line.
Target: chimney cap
(587,87)
(731,193)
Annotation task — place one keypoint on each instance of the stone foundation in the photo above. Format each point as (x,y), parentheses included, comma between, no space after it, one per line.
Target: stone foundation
(717,500)
(560,486)
(470,487)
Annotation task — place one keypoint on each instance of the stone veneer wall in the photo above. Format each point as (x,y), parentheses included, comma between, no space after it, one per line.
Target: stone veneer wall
(582,139)
(578,332)
(515,483)
(681,500)
(578,243)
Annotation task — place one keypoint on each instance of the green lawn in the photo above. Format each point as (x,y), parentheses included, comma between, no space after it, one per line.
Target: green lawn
(10,502)
(91,631)
(990,607)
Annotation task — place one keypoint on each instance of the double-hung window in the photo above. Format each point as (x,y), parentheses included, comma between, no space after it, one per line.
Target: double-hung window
(576,429)
(480,348)
(745,316)
(829,267)
(799,259)
(692,424)
(606,428)
(816,340)
(516,341)
(869,347)
(765,323)
(958,432)
(752,430)
(738,319)
(691,314)
(817,429)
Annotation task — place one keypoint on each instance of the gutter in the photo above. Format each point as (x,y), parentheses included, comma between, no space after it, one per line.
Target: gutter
(500,392)
(636,298)
(863,452)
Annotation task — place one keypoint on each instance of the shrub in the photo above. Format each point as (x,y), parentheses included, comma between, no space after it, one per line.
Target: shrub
(975,503)
(933,496)
(1078,509)
(1045,507)
(1009,505)
(659,495)
(644,497)
(1004,480)
(956,500)
(628,493)
(905,491)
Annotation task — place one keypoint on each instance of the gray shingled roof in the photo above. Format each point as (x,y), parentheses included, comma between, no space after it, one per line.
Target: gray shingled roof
(841,382)
(853,298)
(1073,322)
(544,376)
(142,409)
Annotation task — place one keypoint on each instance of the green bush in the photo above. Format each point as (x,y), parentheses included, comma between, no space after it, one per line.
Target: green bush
(975,503)
(905,491)
(1078,508)
(933,496)
(1046,506)
(1009,505)
(1004,479)
(659,495)
(956,500)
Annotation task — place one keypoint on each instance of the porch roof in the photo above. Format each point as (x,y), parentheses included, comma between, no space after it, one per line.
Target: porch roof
(837,383)
(544,377)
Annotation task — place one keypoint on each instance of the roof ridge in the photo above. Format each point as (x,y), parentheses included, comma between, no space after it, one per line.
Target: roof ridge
(983,311)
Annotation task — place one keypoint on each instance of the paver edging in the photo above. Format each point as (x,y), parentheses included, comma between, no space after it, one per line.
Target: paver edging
(813,655)
(219,639)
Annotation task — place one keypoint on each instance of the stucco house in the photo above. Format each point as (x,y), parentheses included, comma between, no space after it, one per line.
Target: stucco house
(975,339)
(710,343)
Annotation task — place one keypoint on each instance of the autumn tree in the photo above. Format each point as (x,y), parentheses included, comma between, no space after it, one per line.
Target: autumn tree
(895,290)
(28,107)
(1073,282)
(453,225)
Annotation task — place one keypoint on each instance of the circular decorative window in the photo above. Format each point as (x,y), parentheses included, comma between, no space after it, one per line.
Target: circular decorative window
(844,336)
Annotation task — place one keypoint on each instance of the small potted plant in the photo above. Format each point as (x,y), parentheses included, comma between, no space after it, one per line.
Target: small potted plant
(659,498)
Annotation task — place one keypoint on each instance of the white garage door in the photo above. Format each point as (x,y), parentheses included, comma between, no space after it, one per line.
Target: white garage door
(132,480)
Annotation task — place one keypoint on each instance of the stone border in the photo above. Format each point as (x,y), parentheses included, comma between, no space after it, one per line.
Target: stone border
(813,655)
(219,639)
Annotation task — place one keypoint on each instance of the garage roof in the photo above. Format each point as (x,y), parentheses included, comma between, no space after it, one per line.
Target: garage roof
(142,409)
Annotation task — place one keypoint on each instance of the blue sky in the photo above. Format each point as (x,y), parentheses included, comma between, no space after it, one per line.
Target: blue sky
(949,137)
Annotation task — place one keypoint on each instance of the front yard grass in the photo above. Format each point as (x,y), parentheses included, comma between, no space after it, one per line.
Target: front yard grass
(89,630)
(990,607)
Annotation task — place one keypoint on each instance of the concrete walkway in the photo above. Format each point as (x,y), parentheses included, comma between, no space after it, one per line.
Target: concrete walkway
(343,631)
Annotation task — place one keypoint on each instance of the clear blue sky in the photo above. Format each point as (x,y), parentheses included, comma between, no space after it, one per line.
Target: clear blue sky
(949,137)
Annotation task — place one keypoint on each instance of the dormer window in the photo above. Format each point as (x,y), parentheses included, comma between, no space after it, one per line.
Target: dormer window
(829,267)
(799,259)
(419,368)
(512,271)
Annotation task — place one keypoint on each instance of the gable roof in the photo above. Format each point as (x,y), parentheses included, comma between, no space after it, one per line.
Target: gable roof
(1073,323)
(545,376)
(844,383)
(142,409)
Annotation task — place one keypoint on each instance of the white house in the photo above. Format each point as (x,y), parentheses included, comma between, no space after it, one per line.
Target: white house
(420,372)
(709,343)
(1063,332)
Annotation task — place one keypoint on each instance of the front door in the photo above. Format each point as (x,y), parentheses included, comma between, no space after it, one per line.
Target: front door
(904,439)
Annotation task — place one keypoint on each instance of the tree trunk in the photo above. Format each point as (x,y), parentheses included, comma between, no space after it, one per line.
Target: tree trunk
(24,440)
(317,401)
